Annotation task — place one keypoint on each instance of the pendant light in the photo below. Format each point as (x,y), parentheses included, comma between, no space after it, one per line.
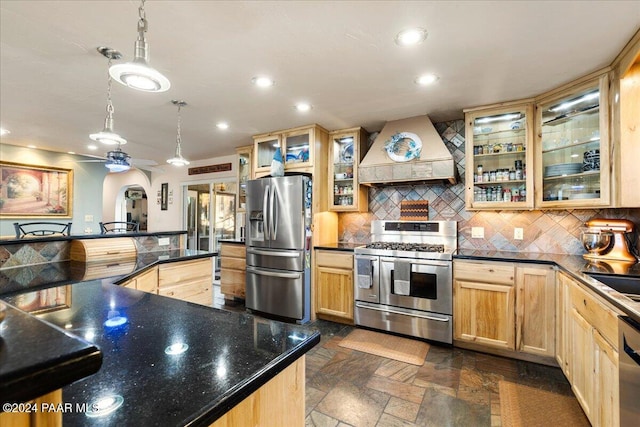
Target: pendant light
(107,135)
(178,160)
(138,74)
(118,161)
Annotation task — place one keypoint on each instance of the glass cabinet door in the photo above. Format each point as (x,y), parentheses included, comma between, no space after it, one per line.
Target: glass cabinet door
(244,174)
(298,149)
(499,158)
(345,152)
(573,141)
(265,148)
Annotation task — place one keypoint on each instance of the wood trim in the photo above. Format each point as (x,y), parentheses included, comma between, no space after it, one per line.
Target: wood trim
(549,361)
(629,55)
(575,84)
(498,105)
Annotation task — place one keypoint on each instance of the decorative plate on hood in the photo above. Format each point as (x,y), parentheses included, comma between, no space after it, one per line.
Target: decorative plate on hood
(403,146)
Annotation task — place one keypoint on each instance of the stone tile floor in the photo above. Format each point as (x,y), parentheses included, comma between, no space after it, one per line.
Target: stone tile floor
(454,387)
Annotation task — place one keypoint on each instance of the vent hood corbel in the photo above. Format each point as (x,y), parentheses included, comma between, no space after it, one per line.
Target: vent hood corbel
(435,162)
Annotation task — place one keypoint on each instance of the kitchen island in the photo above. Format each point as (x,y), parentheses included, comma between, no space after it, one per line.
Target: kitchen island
(171,362)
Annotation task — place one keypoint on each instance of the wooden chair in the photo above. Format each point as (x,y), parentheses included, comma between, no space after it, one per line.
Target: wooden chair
(40,229)
(119,227)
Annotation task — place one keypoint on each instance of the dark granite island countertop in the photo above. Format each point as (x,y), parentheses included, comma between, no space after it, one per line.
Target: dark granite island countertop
(227,356)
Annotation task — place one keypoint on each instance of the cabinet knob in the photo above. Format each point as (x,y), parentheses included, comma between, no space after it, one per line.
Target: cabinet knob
(584,301)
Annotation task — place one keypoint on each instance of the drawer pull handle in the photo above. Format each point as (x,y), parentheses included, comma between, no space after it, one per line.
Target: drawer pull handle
(584,301)
(113,253)
(491,270)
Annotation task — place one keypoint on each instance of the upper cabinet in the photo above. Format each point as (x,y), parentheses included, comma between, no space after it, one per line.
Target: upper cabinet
(346,149)
(244,175)
(499,157)
(572,147)
(299,148)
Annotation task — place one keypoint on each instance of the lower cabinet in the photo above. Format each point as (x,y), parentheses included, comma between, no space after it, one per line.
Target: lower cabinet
(233,268)
(505,308)
(190,280)
(187,280)
(334,285)
(590,352)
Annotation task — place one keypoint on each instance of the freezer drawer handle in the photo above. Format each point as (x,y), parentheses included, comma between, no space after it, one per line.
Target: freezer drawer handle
(412,314)
(274,274)
(273,253)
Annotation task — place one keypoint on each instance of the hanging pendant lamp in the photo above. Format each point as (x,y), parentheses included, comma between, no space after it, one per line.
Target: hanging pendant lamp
(107,135)
(118,161)
(137,74)
(178,160)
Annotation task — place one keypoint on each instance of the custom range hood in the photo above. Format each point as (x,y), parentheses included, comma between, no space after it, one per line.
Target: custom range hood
(407,151)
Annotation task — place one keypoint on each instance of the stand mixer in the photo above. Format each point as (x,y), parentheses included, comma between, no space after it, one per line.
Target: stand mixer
(610,239)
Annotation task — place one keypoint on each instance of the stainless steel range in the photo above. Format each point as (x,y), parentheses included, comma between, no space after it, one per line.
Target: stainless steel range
(404,280)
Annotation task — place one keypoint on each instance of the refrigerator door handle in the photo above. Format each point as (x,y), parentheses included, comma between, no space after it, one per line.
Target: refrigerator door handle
(284,254)
(265,217)
(272,214)
(273,273)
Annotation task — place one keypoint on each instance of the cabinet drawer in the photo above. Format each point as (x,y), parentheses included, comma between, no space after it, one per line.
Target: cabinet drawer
(597,313)
(232,277)
(90,250)
(487,272)
(233,263)
(175,273)
(238,251)
(198,291)
(148,281)
(334,259)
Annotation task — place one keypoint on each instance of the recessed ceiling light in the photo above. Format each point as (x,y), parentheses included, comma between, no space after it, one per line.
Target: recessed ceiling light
(411,37)
(222,125)
(262,81)
(303,107)
(426,79)
(4,132)
(92,147)
(31,146)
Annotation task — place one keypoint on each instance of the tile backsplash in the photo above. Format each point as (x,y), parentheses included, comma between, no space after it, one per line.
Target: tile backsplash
(549,231)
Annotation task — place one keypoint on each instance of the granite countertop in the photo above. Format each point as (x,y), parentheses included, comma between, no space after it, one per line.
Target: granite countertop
(88,236)
(576,266)
(229,355)
(19,279)
(339,246)
(45,360)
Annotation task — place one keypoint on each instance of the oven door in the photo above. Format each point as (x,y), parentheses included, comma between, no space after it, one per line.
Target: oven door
(417,284)
(367,282)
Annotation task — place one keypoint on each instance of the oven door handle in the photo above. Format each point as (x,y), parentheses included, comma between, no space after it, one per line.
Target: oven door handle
(413,313)
(413,261)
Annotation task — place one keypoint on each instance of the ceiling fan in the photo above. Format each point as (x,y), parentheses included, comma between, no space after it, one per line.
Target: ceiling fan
(118,161)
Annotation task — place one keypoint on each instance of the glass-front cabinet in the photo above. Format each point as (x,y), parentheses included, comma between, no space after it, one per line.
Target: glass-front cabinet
(499,158)
(572,147)
(244,175)
(346,149)
(264,150)
(297,147)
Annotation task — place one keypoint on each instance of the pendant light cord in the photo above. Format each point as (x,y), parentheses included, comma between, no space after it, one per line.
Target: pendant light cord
(109,102)
(178,137)
(142,23)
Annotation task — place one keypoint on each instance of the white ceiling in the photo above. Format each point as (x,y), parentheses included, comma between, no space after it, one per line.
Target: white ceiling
(339,56)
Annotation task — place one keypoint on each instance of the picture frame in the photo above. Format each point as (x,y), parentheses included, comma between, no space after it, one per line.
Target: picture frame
(164,196)
(29,191)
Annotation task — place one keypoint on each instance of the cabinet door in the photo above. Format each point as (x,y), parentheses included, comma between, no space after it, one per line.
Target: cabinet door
(345,152)
(535,310)
(607,380)
(335,292)
(572,155)
(148,281)
(299,148)
(498,150)
(484,314)
(199,291)
(263,150)
(581,361)
(244,174)
(563,316)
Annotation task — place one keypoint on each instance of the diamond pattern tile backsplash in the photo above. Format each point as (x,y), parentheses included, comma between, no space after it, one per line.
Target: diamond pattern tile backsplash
(549,231)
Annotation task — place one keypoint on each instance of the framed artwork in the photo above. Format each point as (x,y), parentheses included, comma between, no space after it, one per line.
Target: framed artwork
(164,196)
(35,191)
(45,300)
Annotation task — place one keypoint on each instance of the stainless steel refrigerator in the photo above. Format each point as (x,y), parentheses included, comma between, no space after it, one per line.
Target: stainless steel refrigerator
(278,246)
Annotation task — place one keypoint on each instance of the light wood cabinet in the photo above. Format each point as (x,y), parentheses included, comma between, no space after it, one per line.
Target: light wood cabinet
(346,149)
(302,148)
(563,313)
(592,353)
(187,280)
(233,267)
(505,308)
(334,285)
(499,152)
(245,173)
(146,281)
(40,418)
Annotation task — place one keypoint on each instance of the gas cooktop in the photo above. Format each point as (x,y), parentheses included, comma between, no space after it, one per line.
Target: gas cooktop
(399,246)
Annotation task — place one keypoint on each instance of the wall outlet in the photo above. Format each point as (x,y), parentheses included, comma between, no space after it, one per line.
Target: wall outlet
(88,218)
(477,232)
(163,241)
(518,233)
